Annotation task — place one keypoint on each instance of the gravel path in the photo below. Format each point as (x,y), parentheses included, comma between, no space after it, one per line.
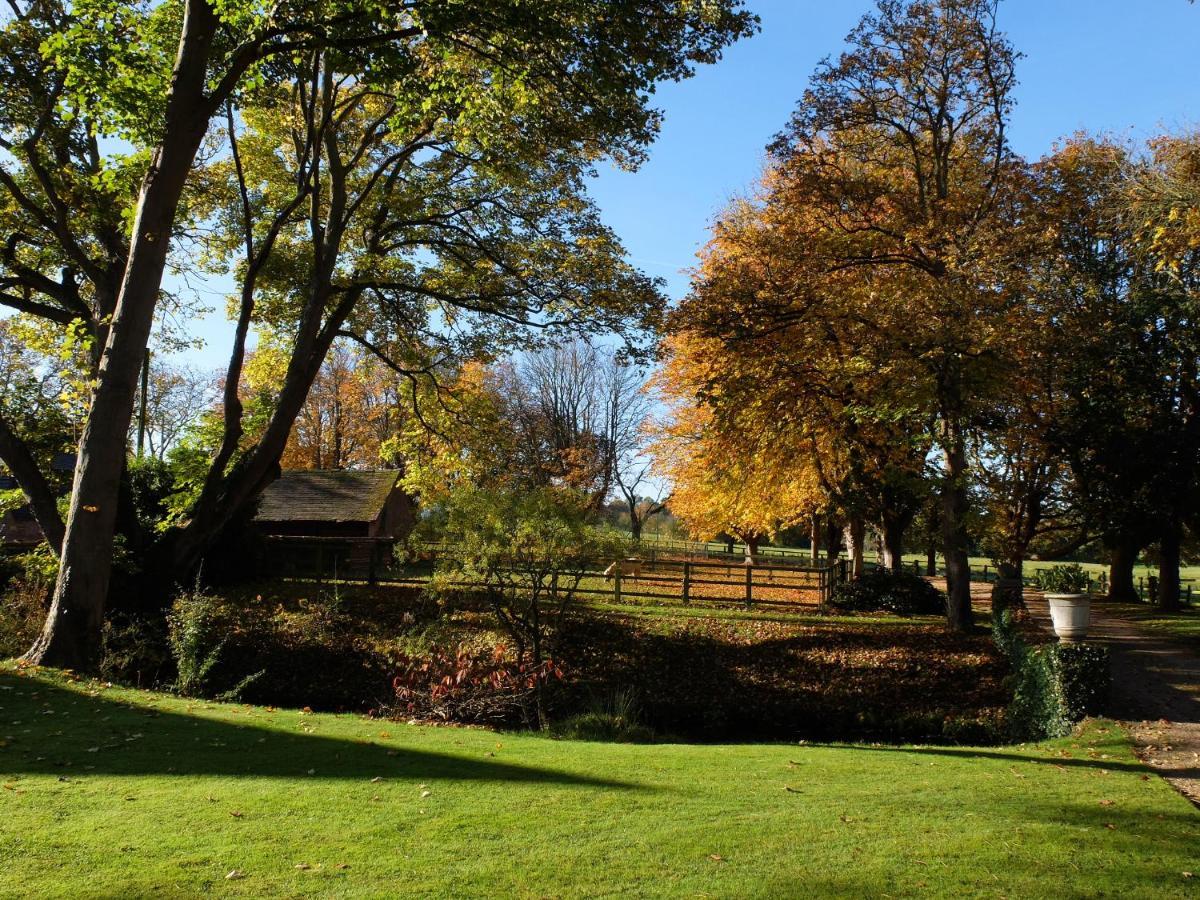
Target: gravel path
(1156,692)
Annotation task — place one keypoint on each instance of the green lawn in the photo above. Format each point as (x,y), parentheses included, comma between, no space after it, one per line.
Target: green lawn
(114,792)
(1182,626)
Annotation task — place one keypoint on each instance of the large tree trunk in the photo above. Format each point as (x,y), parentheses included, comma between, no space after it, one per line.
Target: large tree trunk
(814,538)
(855,535)
(1122,560)
(1168,565)
(71,636)
(955,542)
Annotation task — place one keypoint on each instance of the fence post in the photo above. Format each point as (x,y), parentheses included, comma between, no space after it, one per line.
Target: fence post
(749,586)
(617,585)
(687,581)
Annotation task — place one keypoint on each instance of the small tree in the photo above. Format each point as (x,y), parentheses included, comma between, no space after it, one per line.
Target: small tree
(528,552)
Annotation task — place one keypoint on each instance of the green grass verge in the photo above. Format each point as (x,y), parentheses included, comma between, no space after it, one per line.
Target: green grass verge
(1183,625)
(114,792)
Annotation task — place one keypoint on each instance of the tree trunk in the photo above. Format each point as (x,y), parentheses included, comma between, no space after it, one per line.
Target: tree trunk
(33,484)
(832,544)
(1122,559)
(251,475)
(855,534)
(1168,565)
(814,537)
(955,542)
(635,527)
(931,559)
(71,636)
(892,557)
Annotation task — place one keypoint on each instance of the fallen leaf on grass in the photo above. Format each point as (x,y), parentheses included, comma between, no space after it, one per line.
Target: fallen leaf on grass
(342,866)
(792,790)
(1110,826)
(716,857)
(1106,802)
(235,813)
(377,779)
(303,866)
(235,874)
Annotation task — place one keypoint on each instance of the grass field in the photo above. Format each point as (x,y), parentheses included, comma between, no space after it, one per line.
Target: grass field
(113,792)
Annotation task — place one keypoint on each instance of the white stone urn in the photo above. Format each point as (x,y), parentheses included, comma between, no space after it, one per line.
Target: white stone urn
(1071,615)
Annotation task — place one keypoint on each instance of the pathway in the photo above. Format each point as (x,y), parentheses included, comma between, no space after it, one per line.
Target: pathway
(1156,691)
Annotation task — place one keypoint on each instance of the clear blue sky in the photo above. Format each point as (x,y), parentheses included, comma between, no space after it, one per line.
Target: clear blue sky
(1128,67)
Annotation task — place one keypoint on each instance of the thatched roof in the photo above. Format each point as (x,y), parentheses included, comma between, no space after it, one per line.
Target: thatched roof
(320,496)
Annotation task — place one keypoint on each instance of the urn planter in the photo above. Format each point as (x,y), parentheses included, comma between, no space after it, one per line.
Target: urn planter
(1071,615)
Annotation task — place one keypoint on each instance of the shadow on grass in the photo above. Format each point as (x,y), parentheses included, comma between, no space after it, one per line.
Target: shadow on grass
(48,729)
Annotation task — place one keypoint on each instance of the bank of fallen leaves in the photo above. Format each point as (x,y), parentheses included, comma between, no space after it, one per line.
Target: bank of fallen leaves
(771,678)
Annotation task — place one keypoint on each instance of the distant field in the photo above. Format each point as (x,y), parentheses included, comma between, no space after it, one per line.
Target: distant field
(981,566)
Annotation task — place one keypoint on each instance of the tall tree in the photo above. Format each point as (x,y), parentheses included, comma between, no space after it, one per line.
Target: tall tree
(572,76)
(899,152)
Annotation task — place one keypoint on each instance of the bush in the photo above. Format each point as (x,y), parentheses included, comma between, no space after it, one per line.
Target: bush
(615,718)
(22,613)
(470,686)
(1054,685)
(1070,579)
(287,651)
(197,638)
(902,593)
(134,650)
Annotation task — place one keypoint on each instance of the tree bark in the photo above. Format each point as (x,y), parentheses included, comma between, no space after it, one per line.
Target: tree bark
(892,532)
(814,537)
(71,636)
(1168,565)
(855,536)
(955,542)
(1122,559)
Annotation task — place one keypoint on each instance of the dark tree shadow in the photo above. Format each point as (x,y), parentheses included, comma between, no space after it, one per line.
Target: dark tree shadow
(75,733)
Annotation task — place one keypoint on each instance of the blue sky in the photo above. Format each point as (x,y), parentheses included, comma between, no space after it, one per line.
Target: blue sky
(1127,67)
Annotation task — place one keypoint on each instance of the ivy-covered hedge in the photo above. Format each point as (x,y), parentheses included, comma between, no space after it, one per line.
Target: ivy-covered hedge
(1054,685)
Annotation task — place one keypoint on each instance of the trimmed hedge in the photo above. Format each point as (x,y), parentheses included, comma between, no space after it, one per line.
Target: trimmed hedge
(902,593)
(1054,685)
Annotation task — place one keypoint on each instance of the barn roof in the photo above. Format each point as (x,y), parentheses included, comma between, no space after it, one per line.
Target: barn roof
(326,496)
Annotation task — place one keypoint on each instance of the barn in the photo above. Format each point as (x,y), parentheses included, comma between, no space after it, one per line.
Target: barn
(333,523)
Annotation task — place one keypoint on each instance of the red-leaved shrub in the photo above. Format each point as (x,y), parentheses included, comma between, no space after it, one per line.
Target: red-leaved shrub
(469,685)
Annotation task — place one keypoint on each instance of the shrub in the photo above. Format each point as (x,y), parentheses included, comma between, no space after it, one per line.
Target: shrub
(903,593)
(134,650)
(1070,579)
(615,718)
(22,613)
(526,552)
(1054,685)
(469,685)
(197,638)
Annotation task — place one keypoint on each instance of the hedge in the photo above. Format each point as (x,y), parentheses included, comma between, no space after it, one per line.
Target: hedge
(1054,685)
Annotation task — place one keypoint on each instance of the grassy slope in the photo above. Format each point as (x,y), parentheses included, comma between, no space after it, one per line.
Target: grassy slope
(117,792)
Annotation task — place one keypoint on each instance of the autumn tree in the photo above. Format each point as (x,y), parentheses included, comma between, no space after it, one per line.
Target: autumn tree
(727,475)
(898,156)
(512,97)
